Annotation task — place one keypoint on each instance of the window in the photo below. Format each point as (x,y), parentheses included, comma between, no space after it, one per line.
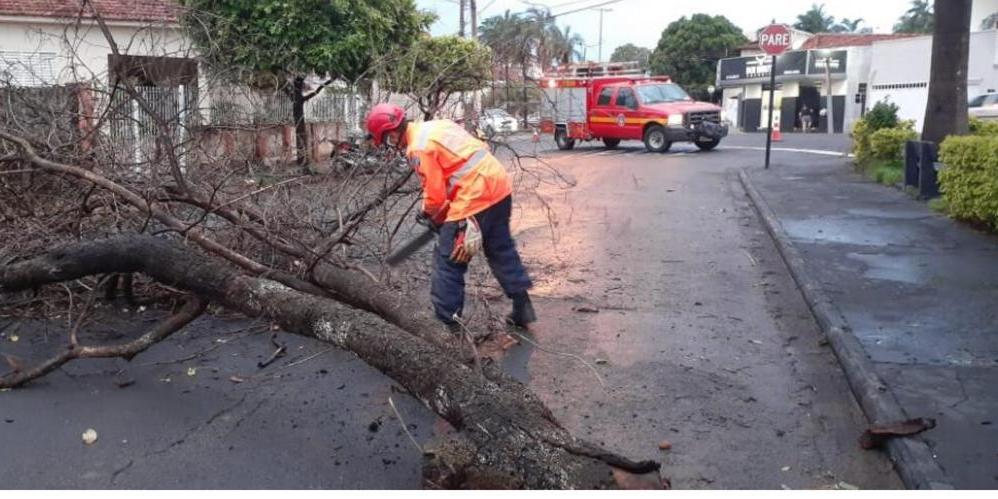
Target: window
(604,97)
(625,98)
(27,69)
(662,92)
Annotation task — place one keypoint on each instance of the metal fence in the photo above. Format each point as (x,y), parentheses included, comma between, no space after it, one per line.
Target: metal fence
(241,106)
(133,125)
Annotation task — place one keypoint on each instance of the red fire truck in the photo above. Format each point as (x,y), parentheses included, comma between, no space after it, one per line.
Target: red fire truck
(615,103)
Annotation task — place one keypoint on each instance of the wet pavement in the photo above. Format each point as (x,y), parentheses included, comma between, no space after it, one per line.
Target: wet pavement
(919,292)
(667,315)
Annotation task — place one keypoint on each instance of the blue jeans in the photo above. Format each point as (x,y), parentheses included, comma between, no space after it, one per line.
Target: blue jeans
(447,287)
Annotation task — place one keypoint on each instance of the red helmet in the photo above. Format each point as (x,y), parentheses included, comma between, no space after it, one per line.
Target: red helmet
(384,118)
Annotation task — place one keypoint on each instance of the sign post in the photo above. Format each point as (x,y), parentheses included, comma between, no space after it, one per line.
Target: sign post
(774,40)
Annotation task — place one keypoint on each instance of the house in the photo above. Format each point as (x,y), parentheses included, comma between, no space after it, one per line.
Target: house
(57,46)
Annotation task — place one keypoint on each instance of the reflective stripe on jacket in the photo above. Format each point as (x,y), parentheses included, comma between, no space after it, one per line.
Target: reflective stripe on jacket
(455,167)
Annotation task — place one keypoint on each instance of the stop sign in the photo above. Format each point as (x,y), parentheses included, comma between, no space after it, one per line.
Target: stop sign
(774,39)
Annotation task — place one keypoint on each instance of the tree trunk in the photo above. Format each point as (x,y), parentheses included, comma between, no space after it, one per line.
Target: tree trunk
(946,112)
(463,6)
(473,10)
(298,115)
(507,440)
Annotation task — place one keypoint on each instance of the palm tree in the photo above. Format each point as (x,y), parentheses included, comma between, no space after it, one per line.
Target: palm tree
(918,19)
(566,45)
(815,20)
(501,34)
(846,25)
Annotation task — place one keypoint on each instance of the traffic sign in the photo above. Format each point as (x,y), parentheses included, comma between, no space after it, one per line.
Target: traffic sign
(775,39)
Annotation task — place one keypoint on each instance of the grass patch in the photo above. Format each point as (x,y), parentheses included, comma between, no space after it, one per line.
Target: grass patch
(939,205)
(887,172)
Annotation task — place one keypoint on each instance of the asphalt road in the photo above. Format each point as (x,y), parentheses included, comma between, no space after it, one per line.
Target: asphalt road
(700,340)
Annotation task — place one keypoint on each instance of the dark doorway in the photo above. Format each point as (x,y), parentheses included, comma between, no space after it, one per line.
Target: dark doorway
(809,102)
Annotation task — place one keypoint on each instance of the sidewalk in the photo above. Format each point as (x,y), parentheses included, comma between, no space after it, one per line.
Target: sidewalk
(918,291)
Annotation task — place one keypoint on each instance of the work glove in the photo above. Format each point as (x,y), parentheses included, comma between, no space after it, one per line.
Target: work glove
(467,241)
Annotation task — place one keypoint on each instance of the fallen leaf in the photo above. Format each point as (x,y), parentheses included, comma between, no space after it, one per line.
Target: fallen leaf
(785,468)
(755,342)
(89,436)
(877,435)
(586,310)
(236,379)
(192,371)
(166,379)
(602,361)
(125,383)
(665,445)
(14,338)
(846,486)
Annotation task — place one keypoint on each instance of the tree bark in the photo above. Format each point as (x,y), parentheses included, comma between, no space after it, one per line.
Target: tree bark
(508,440)
(946,112)
(298,116)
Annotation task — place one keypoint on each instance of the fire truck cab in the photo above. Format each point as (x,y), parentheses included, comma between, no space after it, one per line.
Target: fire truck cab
(615,104)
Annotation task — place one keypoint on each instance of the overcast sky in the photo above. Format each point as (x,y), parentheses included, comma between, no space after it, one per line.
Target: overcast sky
(641,21)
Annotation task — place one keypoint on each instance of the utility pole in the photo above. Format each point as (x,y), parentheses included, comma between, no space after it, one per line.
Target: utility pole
(474,18)
(601,11)
(460,30)
(830,118)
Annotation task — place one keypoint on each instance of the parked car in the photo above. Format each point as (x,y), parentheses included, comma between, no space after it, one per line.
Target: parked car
(495,121)
(984,106)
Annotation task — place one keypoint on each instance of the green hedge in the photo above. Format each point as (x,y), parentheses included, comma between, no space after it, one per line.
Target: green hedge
(983,128)
(969,182)
(888,143)
(883,144)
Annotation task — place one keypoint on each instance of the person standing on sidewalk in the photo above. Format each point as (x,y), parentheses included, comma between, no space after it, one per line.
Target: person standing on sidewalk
(467,195)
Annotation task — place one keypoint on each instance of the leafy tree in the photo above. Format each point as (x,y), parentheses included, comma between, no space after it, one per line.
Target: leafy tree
(990,22)
(289,40)
(815,20)
(690,48)
(434,68)
(630,52)
(918,19)
(502,34)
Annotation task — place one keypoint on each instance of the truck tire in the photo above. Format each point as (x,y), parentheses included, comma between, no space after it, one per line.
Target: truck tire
(611,143)
(561,139)
(707,146)
(655,140)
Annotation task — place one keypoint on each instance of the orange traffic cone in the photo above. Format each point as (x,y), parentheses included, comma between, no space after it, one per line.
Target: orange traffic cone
(777,135)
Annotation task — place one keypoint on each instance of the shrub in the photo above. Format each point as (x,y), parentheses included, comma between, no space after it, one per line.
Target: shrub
(861,140)
(888,143)
(983,128)
(888,173)
(969,182)
(884,114)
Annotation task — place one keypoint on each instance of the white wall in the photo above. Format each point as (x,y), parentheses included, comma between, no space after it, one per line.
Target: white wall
(81,52)
(903,66)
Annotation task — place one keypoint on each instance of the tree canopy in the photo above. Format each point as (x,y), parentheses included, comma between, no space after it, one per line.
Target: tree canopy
(815,20)
(919,18)
(334,38)
(434,68)
(689,49)
(630,52)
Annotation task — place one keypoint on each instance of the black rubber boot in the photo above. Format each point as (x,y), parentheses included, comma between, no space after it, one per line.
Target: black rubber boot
(523,311)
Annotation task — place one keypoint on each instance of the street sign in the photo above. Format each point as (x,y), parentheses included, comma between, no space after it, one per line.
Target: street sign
(775,39)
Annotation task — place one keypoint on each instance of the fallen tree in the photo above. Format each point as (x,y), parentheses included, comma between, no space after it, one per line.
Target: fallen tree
(508,438)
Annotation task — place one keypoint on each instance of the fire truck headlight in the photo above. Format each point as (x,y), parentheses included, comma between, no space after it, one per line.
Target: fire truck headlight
(676,119)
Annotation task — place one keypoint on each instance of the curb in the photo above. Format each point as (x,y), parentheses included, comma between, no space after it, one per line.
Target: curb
(912,457)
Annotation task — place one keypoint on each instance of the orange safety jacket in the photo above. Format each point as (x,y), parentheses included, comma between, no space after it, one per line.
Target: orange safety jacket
(457,171)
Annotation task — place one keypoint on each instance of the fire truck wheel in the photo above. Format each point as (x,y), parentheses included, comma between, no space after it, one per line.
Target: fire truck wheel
(655,140)
(706,146)
(561,138)
(611,143)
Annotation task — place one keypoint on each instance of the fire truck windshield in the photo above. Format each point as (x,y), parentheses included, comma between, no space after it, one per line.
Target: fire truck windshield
(661,92)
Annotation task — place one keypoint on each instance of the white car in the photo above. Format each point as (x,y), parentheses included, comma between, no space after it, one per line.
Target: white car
(495,121)
(984,106)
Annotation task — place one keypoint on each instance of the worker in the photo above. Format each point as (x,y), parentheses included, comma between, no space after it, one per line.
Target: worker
(467,196)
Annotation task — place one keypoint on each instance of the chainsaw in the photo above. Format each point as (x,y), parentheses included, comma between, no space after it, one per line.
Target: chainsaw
(413,245)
